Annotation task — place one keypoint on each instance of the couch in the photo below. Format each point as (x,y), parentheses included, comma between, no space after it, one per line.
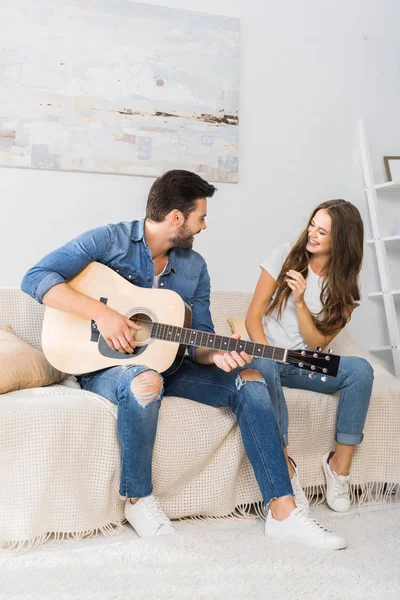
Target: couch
(60,459)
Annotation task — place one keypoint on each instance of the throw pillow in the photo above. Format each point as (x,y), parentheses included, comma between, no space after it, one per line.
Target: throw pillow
(237,325)
(22,366)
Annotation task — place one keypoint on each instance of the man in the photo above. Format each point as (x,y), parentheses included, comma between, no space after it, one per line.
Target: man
(157,252)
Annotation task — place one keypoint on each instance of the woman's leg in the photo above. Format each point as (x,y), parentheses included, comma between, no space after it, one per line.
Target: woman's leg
(354,381)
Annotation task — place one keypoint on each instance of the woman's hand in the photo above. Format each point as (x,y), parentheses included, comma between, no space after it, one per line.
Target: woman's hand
(298,285)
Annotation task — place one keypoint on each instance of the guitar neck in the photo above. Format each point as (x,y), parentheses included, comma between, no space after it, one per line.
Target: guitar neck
(311,360)
(201,339)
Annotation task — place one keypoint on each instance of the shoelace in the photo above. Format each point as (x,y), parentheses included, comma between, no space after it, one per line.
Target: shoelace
(298,490)
(341,487)
(155,510)
(307,518)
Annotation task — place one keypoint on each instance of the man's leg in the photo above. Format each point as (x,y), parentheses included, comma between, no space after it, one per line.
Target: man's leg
(245,392)
(137,391)
(272,371)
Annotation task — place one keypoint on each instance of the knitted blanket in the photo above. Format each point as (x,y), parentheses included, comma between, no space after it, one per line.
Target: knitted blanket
(60,459)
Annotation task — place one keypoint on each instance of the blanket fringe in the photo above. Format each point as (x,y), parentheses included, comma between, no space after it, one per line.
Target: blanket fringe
(243,512)
(23,546)
(360,494)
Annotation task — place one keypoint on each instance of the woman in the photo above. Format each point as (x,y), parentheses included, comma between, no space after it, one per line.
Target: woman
(305,295)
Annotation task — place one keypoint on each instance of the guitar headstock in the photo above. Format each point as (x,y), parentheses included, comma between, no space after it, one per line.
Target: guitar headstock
(317,362)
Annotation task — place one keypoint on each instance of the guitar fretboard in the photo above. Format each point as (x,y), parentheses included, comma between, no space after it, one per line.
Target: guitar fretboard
(201,339)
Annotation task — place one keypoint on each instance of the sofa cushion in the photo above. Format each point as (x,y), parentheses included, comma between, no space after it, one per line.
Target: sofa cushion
(23,366)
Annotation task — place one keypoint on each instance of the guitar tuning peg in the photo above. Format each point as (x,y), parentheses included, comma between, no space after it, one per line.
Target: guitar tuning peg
(312,375)
(301,372)
(318,348)
(324,378)
(306,347)
(330,351)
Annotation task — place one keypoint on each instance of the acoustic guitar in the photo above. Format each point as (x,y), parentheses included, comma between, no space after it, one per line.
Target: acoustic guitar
(74,345)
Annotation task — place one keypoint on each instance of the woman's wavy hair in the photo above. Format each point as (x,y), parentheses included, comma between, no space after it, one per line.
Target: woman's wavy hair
(340,287)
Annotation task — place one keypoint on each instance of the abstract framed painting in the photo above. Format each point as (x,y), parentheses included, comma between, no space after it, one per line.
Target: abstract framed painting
(115,86)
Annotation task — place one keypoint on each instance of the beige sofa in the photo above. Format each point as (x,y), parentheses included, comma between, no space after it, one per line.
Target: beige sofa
(60,457)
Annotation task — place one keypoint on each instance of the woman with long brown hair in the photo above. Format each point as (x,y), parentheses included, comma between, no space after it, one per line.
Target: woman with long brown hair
(304,296)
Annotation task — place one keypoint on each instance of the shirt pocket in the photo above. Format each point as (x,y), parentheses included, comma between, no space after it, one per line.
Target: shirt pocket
(127,273)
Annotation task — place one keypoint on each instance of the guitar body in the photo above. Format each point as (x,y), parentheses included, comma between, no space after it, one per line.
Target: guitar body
(73,344)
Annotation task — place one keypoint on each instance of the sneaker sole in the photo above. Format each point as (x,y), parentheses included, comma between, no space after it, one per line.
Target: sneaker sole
(303,542)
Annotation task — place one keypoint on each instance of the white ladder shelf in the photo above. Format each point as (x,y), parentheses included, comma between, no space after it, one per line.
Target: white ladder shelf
(387,293)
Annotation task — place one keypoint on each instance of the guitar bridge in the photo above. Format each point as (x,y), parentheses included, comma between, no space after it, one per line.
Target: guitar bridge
(95,333)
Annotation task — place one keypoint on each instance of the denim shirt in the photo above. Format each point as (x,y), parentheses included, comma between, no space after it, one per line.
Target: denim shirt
(123,248)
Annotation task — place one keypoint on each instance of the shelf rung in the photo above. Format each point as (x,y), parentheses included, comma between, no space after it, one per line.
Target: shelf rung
(375,294)
(390,238)
(390,186)
(380,348)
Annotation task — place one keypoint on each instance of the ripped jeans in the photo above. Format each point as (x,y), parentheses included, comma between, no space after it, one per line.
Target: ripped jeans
(137,421)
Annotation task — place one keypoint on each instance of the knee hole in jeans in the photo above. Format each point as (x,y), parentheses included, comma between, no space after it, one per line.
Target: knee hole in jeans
(147,386)
(250,375)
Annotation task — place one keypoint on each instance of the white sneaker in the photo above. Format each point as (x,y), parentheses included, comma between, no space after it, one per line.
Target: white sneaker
(147,517)
(337,487)
(301,527)
(299,496)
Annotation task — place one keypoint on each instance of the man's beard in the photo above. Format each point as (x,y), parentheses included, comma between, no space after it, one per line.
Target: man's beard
(183,238)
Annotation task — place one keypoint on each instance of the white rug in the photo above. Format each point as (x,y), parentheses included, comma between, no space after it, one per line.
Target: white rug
(216,561)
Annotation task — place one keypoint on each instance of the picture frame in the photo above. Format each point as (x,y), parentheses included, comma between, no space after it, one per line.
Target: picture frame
(392,167)
(141,90)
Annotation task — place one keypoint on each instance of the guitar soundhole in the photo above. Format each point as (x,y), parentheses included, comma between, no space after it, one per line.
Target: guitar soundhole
(145,322)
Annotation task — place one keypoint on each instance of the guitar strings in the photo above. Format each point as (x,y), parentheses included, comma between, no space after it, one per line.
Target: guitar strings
(293,359)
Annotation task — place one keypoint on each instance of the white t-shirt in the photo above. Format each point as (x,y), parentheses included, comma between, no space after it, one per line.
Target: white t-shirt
(156,278)
(285,332)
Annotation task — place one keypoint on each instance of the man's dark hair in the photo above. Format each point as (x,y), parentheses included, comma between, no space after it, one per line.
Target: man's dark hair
(176,189)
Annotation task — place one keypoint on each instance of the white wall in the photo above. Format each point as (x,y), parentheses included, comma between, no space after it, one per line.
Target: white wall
(308,70)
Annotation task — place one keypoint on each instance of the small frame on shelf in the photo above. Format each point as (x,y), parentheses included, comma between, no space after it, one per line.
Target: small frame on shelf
(392,167)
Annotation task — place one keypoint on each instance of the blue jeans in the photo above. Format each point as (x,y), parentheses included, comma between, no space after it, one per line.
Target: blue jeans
(354,381)
(136,425)
(137,422)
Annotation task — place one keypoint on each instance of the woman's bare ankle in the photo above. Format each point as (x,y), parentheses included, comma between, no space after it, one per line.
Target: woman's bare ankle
(339,467)
(282,507)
